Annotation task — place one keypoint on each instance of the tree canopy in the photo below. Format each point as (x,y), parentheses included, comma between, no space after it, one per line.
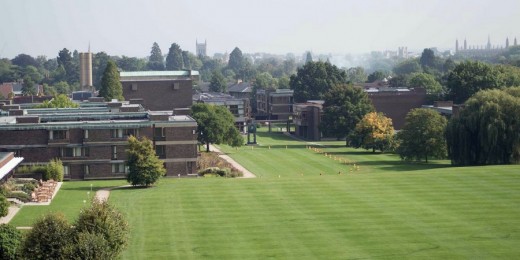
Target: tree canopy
(174,59)
(10,241)
(486,130)
(111,87)
(344,107)
(156,60)
(426,81)
(375,131)
(59,101)
(236,60)
(422,136)
(49,238)
(314,79)
(376,75)
(215,124)
(144,166)
(217,83)
(468,77)
(356,75)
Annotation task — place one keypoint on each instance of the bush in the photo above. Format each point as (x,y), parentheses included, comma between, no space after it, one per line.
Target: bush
(4,206)
(212,160)
(50,238)
(28,188)
(22,196)
(54,170)
(10,240)
(224,172)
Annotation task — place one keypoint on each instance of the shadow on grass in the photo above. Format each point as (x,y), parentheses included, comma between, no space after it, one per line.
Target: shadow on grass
(399,166)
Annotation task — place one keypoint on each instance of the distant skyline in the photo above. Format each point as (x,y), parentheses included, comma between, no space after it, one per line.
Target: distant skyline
(129,27)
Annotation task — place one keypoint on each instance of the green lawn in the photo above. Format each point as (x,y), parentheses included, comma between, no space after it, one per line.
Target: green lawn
(69,201)
(386,209)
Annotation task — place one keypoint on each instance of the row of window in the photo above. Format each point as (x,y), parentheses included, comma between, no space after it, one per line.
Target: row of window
(160,150)
(115,133)
(117,168)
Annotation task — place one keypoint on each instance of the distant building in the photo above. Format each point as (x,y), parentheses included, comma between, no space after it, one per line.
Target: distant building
(200,48)
(160,90)
(239,107)
(91,140)
(274,105)
(470,51)
(307,119)
(85,70)
(241,90)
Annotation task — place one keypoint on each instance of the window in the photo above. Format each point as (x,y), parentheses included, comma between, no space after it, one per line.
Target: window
(66,170)
(86,169)
(58,134)
(117,133)
(114,152)
(134,86)
(74,151)
(85,133)
(234,110)
(159,132)
(160,151)
(133,132)
(119,168)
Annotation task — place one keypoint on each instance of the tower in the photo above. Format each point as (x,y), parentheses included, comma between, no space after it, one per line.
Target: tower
(514,43)
(85,69)
(507,42)
(457,45)
(465,45)
(488,46)
(200,48)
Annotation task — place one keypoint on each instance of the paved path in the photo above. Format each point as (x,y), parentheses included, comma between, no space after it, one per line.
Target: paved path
(12,212)
(246,173)
(103,194)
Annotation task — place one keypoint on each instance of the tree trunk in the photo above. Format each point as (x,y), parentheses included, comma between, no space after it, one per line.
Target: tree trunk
(207,147)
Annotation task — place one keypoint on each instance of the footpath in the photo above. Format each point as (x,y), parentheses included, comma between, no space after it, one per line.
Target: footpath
(246,173)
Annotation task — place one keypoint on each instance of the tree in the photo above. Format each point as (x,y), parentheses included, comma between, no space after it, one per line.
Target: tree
(426,81)
(344,107)
(65,60)
(101,232)
(356,75)
(187,59)
(4,206)
(314,79)
(48,239)
(111,87)
(376,75)
(375,131)
(54,170)
(10,241)
(24,60)
(467,78)
(144,165)
(308,57)
(28,87)
(486,129)
(407,67)
(263,80)
(217,83)
(422,136)
(174,59)
(156,61)
(215,124)
(99,65)
(131,63)
(427,58)
(236,60)
(62,87)
(59,101)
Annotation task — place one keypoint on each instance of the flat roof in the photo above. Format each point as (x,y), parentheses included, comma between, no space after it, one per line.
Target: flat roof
(8,167)
(173,73)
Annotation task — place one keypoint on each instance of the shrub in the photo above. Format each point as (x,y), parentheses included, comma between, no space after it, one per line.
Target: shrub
(28,188)
(49,239)
(22,196)
(10,240)
(222,172)
(4,206)
(212,160)
(54,170)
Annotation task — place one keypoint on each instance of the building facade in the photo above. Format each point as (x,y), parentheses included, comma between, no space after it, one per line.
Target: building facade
(307,119)
(160,90)
(200,48)
(91,140)
(239,107)
(488,50)
(274,105)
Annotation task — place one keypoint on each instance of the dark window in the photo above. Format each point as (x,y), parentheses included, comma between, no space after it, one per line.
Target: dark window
(160,151)
(133,132)
(59,134)
(158,132)
(234,110)
(117,133)
(114,152)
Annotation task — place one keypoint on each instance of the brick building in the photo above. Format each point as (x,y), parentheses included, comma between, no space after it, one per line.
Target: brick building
(396,103)
(274,105)
(159,90)
(239,107)
(91,140)
(307,118)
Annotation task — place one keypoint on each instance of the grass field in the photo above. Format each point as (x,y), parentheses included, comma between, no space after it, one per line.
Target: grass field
(386,209)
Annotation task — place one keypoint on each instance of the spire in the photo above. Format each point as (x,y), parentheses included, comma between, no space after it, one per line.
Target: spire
(457,45)
(88,46)
(507,42)
(515,41)
(465,44)
(488,46)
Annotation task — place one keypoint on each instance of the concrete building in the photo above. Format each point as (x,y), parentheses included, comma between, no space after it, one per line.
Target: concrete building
(241,90)
(85,70)
(274,105)
(239,107)
(307,118)
(8,163)
(160,90)
(91,140)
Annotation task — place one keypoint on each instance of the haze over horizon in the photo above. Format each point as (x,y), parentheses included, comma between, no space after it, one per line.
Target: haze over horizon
(129,28)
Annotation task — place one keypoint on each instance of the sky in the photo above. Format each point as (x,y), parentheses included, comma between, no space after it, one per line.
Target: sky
(129,27)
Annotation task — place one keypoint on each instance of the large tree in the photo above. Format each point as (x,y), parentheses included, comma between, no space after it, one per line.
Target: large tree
(10,241)
(50,238)
(236,60)
(407,67)
(375,131)
(314,79)
(215,124)
(101,232)
(426,81)
(376,75)
(344,107)
(217,83)
(111,87)
(28,88)
(144,166)
(422,136)
(174,59)
(59,101)
(486,130)
(427,58)
(156,60)
(24,60)
(99,64)
(467,78)
(356,75)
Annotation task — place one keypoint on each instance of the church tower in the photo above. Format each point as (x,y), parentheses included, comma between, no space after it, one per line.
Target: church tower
(457,45)
(507,42)
(514,42)
(488,46)
(465,45)
(200,48)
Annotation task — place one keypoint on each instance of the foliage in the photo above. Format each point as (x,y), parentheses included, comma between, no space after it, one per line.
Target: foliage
(376,75)
(217,83)
(486,130)
(49,238)
(407,67)
(99,65)
(101,232)
(4,206)
(314,79)
(111,87)
(344,107)
(467,78)
(426,81)
(427,58)
(59,101)
(145,168)
(221,172)
(131,63)
(375,131)
(215,124)
(21,196)
(174,59)
(156,61)
(236,60)
(24,60)
(356,75)
(10,241)
(308,57)
(54,170)
(211,159)
(28,87)
(422,136)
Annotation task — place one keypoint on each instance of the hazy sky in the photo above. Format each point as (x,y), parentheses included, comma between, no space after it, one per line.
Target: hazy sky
(129,27)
